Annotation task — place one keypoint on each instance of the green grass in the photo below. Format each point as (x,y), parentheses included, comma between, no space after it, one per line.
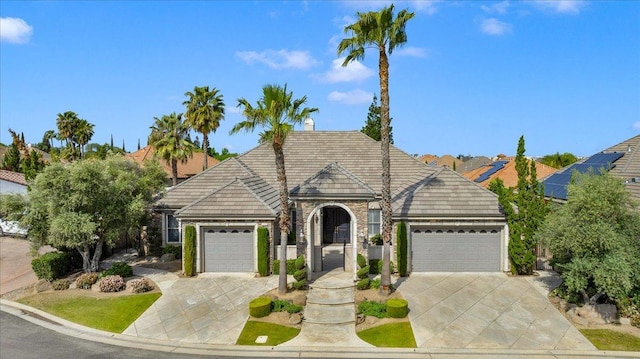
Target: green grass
(605,339)
(113,314)
(396,335)
(277,334)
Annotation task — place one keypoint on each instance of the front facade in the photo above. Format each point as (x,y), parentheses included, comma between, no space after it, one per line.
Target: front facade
(334,184)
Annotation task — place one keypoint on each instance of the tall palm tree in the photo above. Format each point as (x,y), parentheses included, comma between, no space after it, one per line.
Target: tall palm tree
(83,134)
(384,32)
(276,113)
(168,136)
(66,122)
(205,110)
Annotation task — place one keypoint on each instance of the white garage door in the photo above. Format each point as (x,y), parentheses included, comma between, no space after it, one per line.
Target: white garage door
(228,250)
(455,250)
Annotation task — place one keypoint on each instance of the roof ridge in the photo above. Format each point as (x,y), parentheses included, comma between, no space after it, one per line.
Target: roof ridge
(258,197)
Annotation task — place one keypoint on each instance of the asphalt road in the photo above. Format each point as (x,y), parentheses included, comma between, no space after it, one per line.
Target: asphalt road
(21,339)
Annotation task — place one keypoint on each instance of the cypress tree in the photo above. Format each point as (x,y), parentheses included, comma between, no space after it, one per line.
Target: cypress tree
(263,251)
(402,249)
(189,254)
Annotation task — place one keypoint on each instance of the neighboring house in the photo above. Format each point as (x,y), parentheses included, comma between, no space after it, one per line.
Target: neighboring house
(446,160)
(621,160)
(334,179)
(186,169)
(12,182)
(473,163)
(504,169)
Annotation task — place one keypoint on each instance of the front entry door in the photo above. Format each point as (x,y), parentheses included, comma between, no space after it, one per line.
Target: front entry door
(336,224)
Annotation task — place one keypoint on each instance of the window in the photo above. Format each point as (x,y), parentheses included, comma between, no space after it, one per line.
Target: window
(374,222)
(173,229)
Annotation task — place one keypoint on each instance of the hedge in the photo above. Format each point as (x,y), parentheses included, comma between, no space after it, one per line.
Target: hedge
(397,308)
(189,250)
(263,251)
(51,265)
(402,249)
(260,307)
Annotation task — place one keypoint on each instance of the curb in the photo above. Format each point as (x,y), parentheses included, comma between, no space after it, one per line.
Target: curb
(65,327)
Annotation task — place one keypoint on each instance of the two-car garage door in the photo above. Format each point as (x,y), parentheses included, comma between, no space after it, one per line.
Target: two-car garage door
(455,250)
(228,249)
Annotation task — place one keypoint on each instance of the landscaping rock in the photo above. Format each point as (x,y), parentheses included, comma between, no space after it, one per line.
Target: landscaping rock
(167,257)
(598,314)
(371,319)
(625,321)
(360,319)
(295,318)
(43,285)
(300,299)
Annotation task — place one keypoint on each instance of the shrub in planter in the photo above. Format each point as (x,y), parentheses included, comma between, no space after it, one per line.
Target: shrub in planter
(86,280)
(363,272)
(140,285)
(60,284)
(112,283)
(375,283)
(260,307)
(300,262)
(263,251)
(51,265)
(118,268)
(300,274)
(372,308)
(279,305)
(397,308)
(189,250)
(300,284)
(363,284)
(362,261)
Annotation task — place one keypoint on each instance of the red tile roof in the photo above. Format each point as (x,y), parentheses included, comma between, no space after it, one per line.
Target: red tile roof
(508,173)
(187,169)
(15,177)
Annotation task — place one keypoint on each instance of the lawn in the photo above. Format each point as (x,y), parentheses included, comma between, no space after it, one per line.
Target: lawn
(605,339)
(113,314)
(397,335)
(277,334)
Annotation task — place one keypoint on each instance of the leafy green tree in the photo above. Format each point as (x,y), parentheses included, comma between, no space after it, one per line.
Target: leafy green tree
(558,160)
(88,203)
(373,124)
(383,32)
(11,159)
(276,112)
(31,165)
(205,110)
(223,155)
(169,137)
(595,239)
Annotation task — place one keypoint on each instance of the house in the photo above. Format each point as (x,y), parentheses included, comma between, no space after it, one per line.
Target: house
(621,160)
(334,181)
(473,163)
(12,182)
(504,169)
(192,166)
(446,160)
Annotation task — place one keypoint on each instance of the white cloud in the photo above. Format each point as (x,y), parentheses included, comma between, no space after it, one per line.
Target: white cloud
(354,71)
(561,6)
(354,97)
(411,51)
(279,59)
(636,125)
(495,27)
(15,30)
(498,8)
(232,109)
(428,7)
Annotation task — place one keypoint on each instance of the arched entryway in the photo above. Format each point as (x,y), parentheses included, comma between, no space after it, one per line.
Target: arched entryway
(331,228)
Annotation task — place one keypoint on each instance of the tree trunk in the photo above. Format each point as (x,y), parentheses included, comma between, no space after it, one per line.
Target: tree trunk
(174,171)
(385,277)
(284,214)
(205,147)
(95,261)
(86,258)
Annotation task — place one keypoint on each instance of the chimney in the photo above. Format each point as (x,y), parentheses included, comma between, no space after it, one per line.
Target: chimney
(309,125)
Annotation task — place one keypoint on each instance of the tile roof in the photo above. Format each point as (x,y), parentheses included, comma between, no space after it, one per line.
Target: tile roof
(507,173)
(339,161)
(15,177)
(185,169)
(446,160)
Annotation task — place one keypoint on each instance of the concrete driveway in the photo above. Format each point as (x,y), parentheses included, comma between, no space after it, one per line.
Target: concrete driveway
(15,264)
(468,310)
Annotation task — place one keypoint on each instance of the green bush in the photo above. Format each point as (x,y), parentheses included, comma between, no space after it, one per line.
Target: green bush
(112,283)
(401,249)
(118,268)
(51,265)
(291,266)
(630,307)
(260,307)
(60,284)
(363,272)
(374,265)
(86,280)
(372,309)
(189,250)
(300,284)
(300,274)
(263,251)
(362,261)
(300,262)
(363,284)
(397,308)
(376,240)
(279,305)
(172,249)
(375,283)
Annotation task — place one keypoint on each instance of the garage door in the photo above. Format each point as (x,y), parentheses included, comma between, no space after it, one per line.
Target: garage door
(228,250)
(459,250)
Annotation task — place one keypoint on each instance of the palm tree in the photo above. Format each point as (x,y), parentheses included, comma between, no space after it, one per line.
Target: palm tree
(66,122)
(205,110)
(168,136)
(276,113)
(83,134)
(381,31)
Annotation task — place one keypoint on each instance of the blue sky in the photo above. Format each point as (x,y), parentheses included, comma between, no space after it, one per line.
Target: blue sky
(473,77)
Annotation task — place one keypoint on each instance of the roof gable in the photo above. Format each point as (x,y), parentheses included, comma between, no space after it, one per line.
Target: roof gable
(333,181)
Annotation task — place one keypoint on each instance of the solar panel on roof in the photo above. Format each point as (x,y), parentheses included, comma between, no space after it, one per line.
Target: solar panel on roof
(555,191)
(604,158)
(495,167)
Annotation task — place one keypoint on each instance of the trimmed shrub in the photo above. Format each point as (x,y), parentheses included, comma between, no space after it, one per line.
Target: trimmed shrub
(51,265)
(279,305)
(86,280)
(291,266)
(189,250)
(401,250)
(260,307)
(118,268)
(363,272)
(363,284)
(300,284)
(374,265)
(112,283)
(300,262)
(300,274)
(60,284)
(372,309)
(397,308)
(263,251)
(140,285)
(362,261)
(171,249)
(375,283)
